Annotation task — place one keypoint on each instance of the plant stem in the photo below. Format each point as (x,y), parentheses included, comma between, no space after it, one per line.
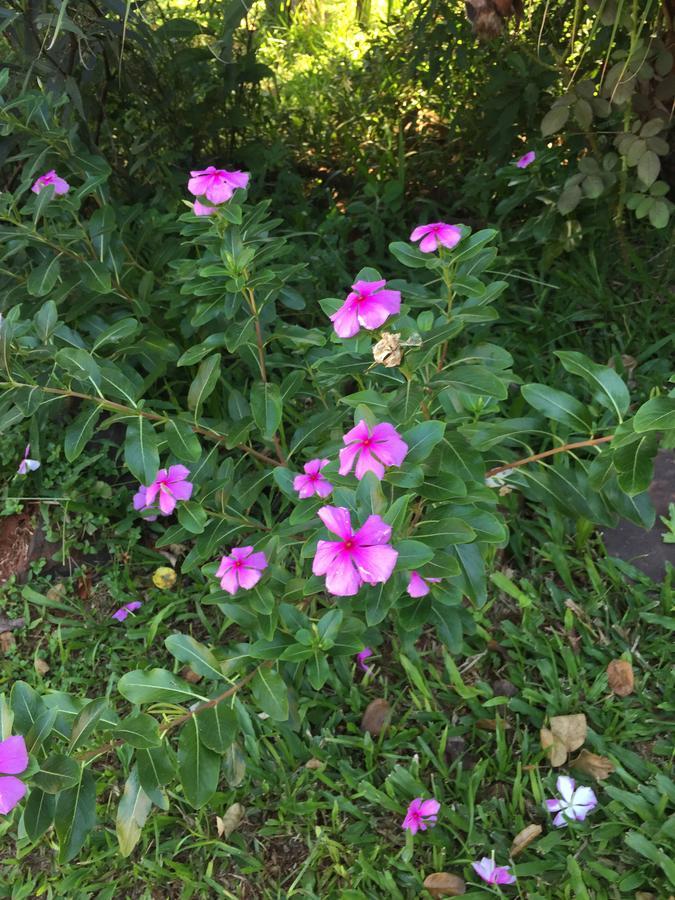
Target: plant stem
(523,462)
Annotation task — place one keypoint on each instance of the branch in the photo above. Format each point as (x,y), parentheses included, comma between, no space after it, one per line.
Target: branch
(523,462)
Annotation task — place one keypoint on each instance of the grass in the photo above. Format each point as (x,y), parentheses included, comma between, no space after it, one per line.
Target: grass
(465,730)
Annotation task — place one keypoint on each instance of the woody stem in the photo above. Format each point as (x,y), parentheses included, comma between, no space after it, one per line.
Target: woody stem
(564,449)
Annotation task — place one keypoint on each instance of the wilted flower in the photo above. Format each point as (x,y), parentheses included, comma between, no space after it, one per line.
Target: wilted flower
(421,815)
(367,306)
(490,872)
(436,234)
(387,351)
(372,450)
(362,657)
(241,569)
(13,761)
(27,465)
(60,185)
(574,804)
(217,185)
(313,482)
(124,611)
(358,557)
(419,586)
(168,488)
(526,159)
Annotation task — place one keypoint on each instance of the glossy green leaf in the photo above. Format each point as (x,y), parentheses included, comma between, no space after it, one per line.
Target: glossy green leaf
(140,731)
(132,813)
(198,767)
(657,414)
(218,726)
(271,693)
(204,383)
(267,408)
(38,814)
(559,406)
(75,816)
(200,659)
(80,431)
(606,384)
(155,686)
(421,440)
(57,773)
(182,441)
(140,450)
(86,721)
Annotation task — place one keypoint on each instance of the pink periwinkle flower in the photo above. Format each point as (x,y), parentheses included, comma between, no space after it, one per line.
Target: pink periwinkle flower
(313,482)
(59,184)
(358,557)
(27,465)
(362,657)
(217,185)
(418,586)
(13,761)
(121,614)
(490,872)
(367,306)
(421,815)
(167,489)
(372,450)
(435,235)
(241,569)
(201,209)
(574,804)
(526,159)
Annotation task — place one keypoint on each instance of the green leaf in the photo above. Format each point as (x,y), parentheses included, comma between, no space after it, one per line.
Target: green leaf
(155,686)
(635,463)
(379,599)
(657,414)
(57,773)
(473,572)
(198,767)
(200,659)
(267,408)
(155,767)
(118,331)
(140,731)
(86,721)
(422,439)
(412,554)
(46,320)
(558,405)
(80,431)
(38,813)
(475,380)
(328,627)
(132,813)
(75,816)
(554,120)
(40,731)
(43,278)
(659,214)
(182,441)
(609,388)
(192,516)
(442,532)
(79,364)
(218,727)
(204,383)
(648,168)
(140,450)
(26,705)
(271,694)
(96,277)
(408,255)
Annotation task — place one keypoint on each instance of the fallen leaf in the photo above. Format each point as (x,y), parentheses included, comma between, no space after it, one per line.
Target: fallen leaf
(190,676)
(502,687)
(620,677)
(598,766)
(164,578)
(313,763)
(83,586)
(376,717)
(7,642)
(524,838)
(40,666)
(443,884)
(387,350)
(232,819)
(567,733)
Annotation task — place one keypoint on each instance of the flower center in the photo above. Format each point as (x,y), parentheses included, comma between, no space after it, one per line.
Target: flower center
(348,544)
(366,442)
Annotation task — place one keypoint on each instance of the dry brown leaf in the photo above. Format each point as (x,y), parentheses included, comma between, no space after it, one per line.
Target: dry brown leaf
(190,676)
(41,667)
(524,838)
(620,677)
(598,766)
(313,763)
(387,350)
(376,717)
(231,820)
(7,642)
(567,733)
(443,884)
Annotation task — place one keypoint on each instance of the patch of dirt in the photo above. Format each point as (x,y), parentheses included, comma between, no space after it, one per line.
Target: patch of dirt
(17,534)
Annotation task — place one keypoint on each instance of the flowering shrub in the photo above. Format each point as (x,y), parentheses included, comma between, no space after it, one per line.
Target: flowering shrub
(202,352)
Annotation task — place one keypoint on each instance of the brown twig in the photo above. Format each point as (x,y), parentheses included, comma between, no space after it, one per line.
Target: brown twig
(523,462)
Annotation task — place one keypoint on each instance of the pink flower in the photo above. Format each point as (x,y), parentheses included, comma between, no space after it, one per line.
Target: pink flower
(217,185)
(420,815)
(366,306)
(170,486)
(418,586)
(372,450)
(61,186)
(435,234)
(358,557)
(526,159)
(241,569)
(313,482)
(362,657)
(200,209)
(124,611)
(27,465)
(575,805)
(13,761)
(492,873)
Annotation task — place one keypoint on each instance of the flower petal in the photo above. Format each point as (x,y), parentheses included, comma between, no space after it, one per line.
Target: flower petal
(375,564)
(229,581)
(342,579)
(565,786)
(346,320)
(417,586)
(325,556)
(13,755)
(12,791)
(389,446)
(337,520)
(430,807)
(429,243)
(420,231)
(249,577)
(367,462)
(373,531)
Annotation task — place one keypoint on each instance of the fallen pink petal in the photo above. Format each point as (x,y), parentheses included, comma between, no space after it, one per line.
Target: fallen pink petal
(435,235)
(27,465)
(13,761)
(491,873)
(364,556)
(367,306)
(372,450)
(241,569)
(121,614)
(419,586)
(313,482)
(574,803)
(526,159)
(59,184)
(216,185)
(362,657)
(169,487)
(421,814)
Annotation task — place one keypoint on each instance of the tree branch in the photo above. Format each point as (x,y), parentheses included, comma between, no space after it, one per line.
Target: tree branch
(537,456)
